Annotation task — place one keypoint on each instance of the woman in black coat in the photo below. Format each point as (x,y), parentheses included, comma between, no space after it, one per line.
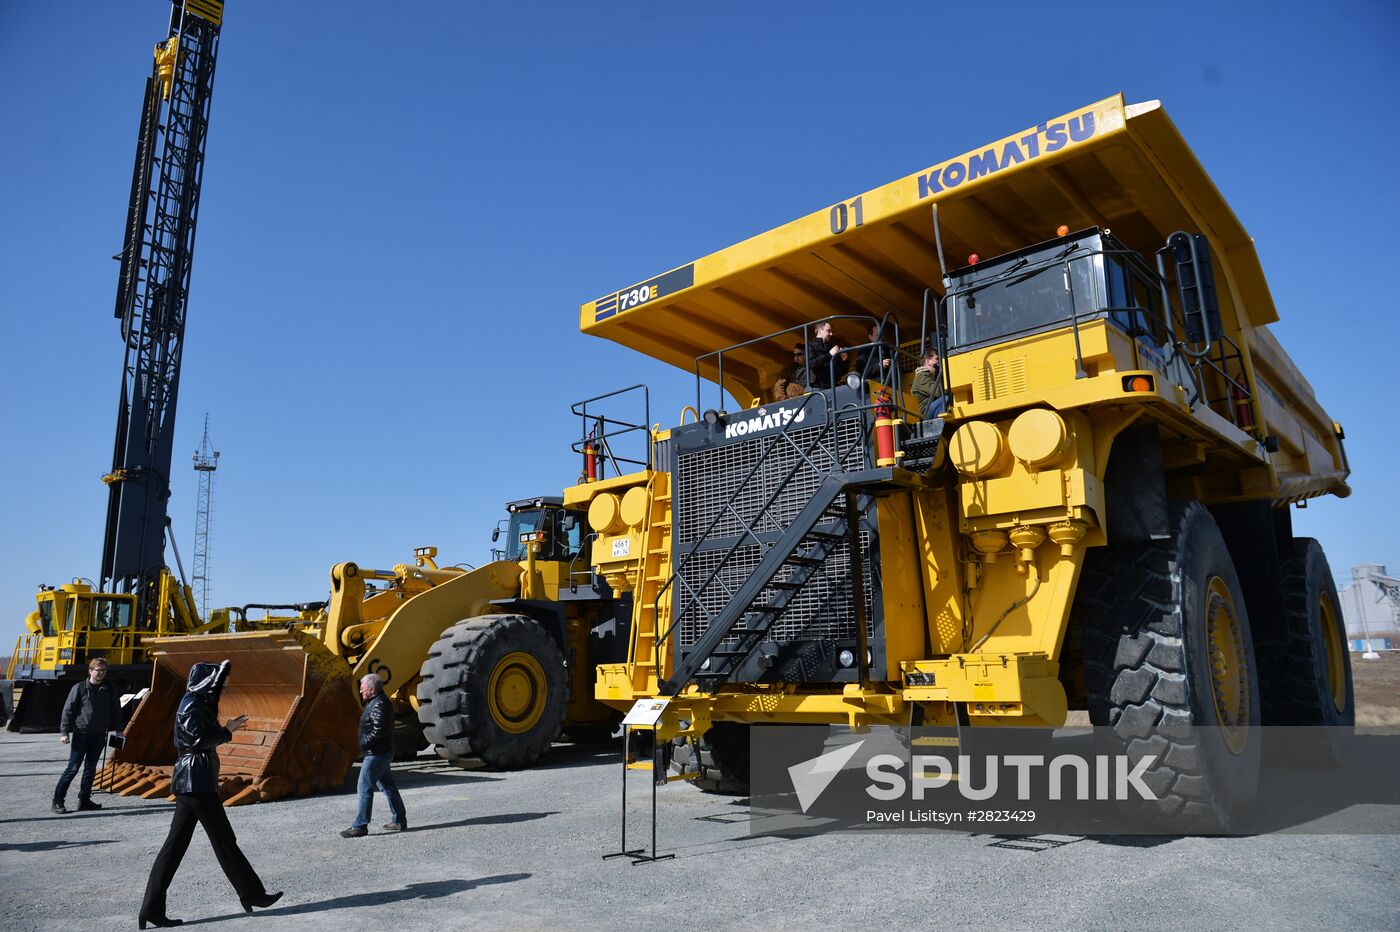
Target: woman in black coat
(195,784)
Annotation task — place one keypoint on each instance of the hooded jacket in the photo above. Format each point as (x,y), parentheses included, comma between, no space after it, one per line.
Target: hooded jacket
(198,732)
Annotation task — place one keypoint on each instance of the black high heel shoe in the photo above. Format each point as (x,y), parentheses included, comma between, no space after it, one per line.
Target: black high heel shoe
(261,902)
(160,922)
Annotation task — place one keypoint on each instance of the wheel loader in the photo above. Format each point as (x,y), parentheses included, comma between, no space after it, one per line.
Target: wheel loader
(491,663)
(1090,510)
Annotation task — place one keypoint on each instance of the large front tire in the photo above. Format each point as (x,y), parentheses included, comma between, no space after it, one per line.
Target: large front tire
(1169,671)
(495,688)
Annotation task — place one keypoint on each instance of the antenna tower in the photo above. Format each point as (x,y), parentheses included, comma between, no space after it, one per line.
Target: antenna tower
(206,461)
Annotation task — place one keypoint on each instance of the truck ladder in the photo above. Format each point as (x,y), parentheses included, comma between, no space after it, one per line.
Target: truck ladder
(733,633)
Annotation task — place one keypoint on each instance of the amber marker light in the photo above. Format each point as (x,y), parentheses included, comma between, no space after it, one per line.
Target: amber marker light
(1137,383)
(1062,230)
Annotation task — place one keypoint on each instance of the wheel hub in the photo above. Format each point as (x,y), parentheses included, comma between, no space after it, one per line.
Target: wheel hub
(517,692)
(1229,670)
(1333,656)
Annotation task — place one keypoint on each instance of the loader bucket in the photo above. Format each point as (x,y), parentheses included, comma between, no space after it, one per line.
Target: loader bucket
(302,707)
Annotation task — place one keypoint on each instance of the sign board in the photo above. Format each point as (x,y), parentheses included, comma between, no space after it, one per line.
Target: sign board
(645,713)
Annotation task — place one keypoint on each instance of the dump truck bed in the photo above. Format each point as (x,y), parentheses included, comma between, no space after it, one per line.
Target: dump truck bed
(1111,165)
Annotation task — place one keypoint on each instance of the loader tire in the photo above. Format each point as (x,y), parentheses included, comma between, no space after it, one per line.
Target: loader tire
(494,687)
(1169,671)
(1305,678)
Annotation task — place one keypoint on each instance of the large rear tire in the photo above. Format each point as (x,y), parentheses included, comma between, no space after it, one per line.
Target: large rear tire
(494,688)
(1169,671)
(1305,677)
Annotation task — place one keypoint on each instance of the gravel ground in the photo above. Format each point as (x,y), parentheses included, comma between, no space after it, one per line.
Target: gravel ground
(523,850)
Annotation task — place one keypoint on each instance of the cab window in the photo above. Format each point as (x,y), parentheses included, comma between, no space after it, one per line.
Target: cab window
(1133,301)
(46,618)
(1033,300)
(72,608)
(111,613)
(561,543)
(521,522)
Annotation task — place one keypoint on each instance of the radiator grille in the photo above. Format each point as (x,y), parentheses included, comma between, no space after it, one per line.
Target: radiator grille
(705,480)
(824,608)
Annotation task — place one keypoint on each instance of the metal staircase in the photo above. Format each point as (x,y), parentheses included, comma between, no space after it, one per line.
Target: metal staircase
(740,627)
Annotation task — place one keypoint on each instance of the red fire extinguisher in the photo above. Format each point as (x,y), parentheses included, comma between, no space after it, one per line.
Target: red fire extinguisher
(590,459)
(885,452)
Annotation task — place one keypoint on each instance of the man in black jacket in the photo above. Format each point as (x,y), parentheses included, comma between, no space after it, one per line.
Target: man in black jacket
(195,783)
(879,360)
(377,754)
(824,354)
(91,711)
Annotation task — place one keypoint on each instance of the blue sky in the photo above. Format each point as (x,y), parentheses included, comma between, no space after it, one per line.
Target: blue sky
(404,205)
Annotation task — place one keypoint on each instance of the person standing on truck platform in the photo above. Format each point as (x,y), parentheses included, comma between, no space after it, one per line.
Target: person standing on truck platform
(877,359)
(822,352)
(377,754)
(928,387)
(195,783)
(92,710)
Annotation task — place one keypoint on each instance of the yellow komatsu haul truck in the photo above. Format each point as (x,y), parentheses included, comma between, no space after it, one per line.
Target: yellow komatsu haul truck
(491,663)
(1091,511)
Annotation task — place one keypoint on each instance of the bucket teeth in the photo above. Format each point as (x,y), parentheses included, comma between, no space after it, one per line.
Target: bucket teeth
(162,788)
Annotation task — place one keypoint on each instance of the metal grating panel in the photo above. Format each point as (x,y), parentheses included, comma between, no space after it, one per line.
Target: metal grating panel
(823,609)
(705,481)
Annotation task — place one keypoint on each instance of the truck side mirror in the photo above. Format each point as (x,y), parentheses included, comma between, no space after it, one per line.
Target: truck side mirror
(570,522)
(495,535)
(1195,282)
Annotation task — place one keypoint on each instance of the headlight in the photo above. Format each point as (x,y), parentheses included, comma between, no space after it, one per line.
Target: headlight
(854,381)
(846,658)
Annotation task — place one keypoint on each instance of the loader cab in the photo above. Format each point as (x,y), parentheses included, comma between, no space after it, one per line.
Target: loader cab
(561,528)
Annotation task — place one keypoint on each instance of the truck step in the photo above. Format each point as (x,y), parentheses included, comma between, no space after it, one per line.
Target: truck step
(829,536)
